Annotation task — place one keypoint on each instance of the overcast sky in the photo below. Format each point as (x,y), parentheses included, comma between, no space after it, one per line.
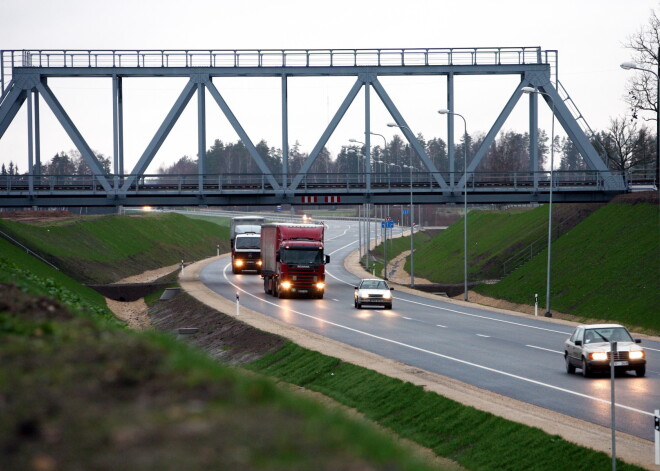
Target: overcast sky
(589,35)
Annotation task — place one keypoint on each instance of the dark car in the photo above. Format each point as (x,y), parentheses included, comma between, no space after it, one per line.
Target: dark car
(589,349)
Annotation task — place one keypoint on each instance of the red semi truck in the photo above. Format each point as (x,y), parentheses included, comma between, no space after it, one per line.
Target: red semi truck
(293,260)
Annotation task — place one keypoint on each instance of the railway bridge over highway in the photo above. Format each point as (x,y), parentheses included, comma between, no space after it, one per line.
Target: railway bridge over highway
(24,78)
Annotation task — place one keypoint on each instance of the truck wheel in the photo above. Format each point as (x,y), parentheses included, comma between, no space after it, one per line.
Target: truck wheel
(641,371)
(266,290)
(234,270)
(280,294)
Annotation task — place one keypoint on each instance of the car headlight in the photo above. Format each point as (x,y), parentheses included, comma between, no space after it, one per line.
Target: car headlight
(598,356)
(364,296)
(320,285)
(238,262)
(285,285)
(387,295)
(636,355)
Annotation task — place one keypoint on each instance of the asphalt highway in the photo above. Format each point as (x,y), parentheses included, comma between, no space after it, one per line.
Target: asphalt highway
(516,356)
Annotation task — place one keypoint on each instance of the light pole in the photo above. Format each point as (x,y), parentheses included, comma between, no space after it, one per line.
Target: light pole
(412,213)
(548,313)
(465,227)
(367,234)
(632,65)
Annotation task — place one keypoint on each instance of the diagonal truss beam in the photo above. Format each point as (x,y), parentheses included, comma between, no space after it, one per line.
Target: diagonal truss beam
(10,105)
(398,118)
(82,146)
(161,134)
(492,134)
(242,135)
(577,135)
(328,132)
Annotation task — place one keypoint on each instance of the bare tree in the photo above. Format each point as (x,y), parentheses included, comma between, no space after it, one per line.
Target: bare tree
(627,145)
(642,86)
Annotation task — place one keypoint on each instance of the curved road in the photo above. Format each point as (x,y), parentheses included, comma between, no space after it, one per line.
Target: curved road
(519,357)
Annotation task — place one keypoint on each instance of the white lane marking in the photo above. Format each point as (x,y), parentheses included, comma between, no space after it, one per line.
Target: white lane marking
(436,354)
(482,335)
(407,318)
(440,325)
(337,300)
(448,309)
(654,349)
(546,349)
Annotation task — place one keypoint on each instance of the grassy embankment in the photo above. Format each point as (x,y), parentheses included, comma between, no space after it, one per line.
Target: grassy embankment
(106,249)
(194,400)
(79,391)
(607,267)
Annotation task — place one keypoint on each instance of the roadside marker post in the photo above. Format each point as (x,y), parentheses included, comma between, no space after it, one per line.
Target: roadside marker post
(238,304)
(657,436)
(536,304)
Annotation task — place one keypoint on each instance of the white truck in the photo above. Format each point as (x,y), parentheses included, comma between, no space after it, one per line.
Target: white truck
(245,238)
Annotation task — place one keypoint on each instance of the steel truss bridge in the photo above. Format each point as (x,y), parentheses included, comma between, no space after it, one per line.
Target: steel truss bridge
(24,78)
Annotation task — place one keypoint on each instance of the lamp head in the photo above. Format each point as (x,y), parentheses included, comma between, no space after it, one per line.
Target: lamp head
(628,65)
(392,125)
(444,111)
(529,90)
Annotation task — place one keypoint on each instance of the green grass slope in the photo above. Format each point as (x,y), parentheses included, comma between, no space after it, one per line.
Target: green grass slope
(607,267)
(477,440)
(80,393)
(493,237)
(106,249)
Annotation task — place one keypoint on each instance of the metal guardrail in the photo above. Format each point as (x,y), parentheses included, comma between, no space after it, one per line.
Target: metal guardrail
(240,183)
(18,244)
(237,58)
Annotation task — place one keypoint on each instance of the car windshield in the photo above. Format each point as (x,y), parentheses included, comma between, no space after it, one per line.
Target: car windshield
(248,242)
(614,334)
(311,256)
(373,284)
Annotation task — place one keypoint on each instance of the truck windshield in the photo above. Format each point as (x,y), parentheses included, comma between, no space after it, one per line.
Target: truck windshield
(248,243)
(311,256)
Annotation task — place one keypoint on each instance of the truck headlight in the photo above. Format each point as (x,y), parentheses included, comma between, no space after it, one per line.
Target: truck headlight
(636,355)
(259,263)
(285,285)
(320,285)
(598,356)
(238,262)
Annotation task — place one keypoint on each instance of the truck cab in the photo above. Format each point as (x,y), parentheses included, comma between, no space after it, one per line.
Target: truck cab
(246,253)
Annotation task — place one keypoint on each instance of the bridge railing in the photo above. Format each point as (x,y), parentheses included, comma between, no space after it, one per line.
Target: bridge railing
(237,58)
(480,182)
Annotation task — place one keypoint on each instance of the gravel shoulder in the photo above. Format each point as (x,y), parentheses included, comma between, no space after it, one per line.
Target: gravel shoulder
(629,448)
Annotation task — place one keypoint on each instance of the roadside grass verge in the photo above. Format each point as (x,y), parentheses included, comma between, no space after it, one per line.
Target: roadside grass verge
(395,247)
(476,440)
(80,392)
(109,248)
(607,267)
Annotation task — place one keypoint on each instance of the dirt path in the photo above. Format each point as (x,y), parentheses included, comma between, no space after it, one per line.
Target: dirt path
(134,313)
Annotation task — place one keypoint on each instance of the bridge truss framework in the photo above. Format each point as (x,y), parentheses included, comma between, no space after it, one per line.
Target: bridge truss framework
(24,78)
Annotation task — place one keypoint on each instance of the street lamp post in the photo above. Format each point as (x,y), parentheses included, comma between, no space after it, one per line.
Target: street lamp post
(367,234)
(632,65)
(548,313)
(465,214)
(412,213)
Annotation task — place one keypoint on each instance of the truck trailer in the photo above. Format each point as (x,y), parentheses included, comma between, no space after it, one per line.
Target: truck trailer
(293,260)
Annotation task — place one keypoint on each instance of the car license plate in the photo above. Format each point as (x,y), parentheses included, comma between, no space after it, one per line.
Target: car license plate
(302,291)
(620,363)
